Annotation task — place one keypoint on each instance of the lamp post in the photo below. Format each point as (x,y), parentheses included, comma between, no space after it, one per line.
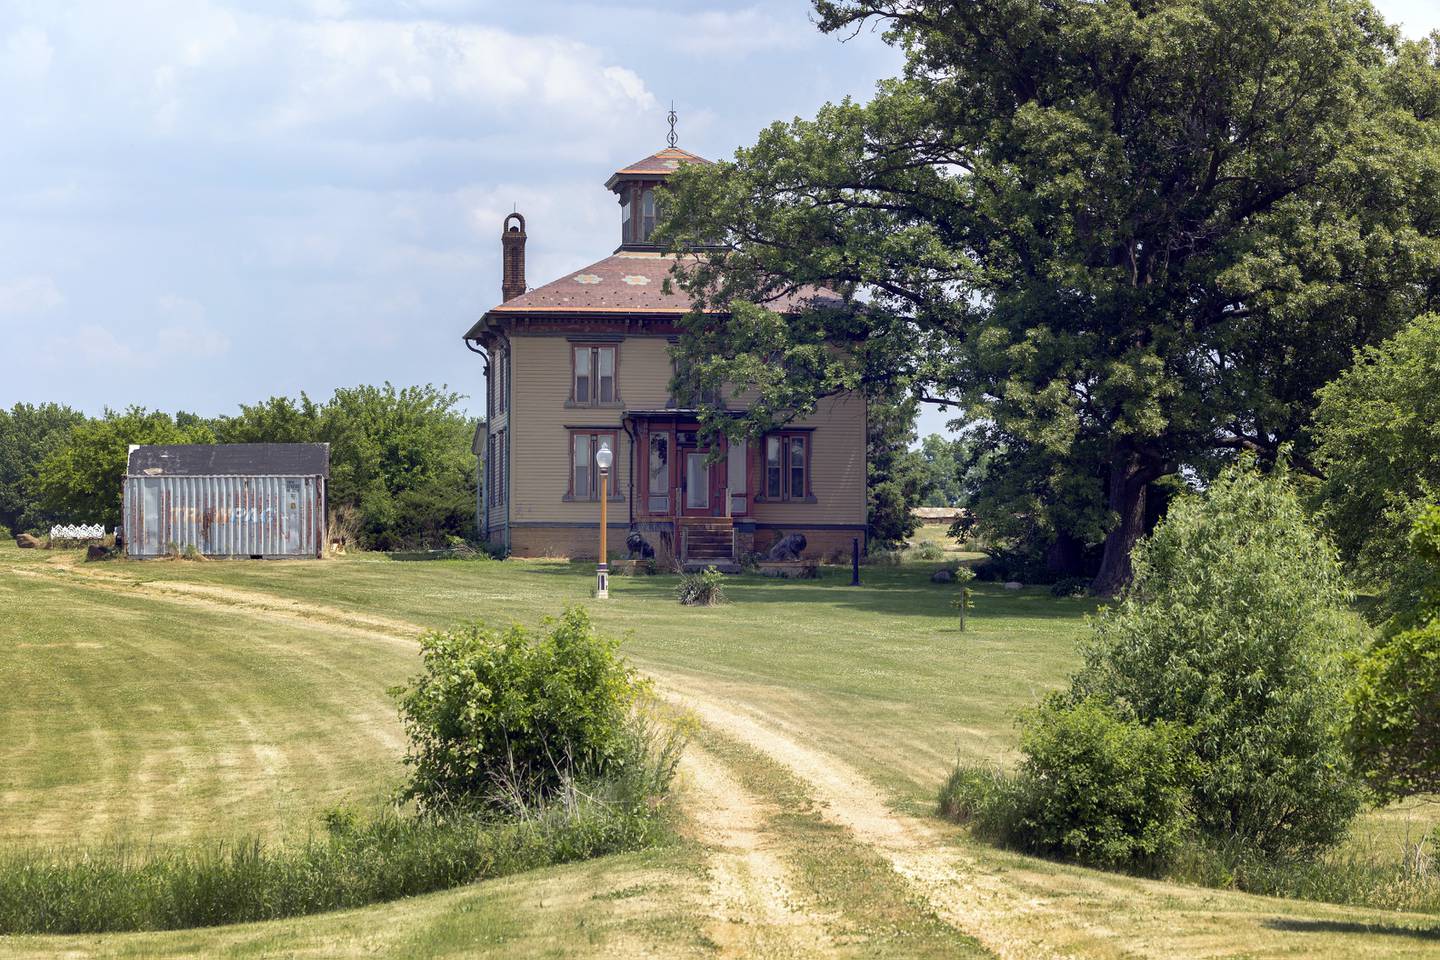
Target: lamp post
(603,459)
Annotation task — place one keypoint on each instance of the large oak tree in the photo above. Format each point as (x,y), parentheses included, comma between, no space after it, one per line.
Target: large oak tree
(1127,237)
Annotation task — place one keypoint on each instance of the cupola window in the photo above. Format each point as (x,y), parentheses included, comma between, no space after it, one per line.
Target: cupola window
(647,214)
(625,217)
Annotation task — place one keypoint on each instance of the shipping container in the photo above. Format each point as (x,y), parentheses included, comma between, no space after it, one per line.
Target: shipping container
(249,500)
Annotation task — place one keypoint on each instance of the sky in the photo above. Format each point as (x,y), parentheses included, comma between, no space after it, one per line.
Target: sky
(207,203)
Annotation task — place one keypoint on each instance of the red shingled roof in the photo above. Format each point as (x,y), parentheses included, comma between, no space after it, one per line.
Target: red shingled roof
(628,282)
(659,165)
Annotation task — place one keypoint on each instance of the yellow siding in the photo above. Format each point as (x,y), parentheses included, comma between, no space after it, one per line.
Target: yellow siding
(539,439)
(539,445)
(837,467)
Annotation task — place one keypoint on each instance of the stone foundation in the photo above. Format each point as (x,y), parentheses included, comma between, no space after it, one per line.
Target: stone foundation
(827,545)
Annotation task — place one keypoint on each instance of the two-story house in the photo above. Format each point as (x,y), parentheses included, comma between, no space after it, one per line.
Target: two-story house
(585,361)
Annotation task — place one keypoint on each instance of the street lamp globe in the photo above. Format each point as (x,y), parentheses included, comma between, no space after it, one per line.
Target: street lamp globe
(603,456)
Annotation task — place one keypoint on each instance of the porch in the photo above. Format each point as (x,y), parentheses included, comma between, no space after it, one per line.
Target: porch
(691,490)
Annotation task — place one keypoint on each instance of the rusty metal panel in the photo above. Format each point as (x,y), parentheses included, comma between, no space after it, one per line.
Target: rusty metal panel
(225,516)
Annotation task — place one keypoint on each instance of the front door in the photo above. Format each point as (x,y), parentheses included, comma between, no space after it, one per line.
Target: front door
(697,483)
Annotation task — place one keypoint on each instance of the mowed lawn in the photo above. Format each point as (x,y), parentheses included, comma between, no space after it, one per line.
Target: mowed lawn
(138,707)
(882,671)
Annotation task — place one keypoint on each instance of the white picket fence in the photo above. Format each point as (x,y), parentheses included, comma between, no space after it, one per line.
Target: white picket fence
(77,531)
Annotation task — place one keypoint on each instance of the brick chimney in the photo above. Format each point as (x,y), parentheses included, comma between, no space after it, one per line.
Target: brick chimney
(512,258)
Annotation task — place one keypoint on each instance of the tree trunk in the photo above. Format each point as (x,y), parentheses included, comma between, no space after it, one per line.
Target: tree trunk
(1065,556)
(1128,484)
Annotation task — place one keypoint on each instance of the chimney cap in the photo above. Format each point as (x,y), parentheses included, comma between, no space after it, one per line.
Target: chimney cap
(513,228)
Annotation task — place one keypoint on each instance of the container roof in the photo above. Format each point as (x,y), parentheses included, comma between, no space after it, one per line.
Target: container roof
(230,460)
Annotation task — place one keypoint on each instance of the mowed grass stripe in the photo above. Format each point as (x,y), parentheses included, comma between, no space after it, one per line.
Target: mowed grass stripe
(133,718)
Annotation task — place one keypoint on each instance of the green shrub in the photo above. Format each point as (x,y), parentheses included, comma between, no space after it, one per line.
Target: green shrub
(883,557)
(703,589)
(1099,789)
(927,550)
(1093,787)
(497,715)
(1394,732)
(1071,587)
(1235,628)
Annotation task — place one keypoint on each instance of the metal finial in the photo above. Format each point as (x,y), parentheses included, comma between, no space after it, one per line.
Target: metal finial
(672,138)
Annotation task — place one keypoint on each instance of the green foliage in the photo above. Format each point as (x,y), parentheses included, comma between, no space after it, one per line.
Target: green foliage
(927,550)
(1235,628)
(1071,587)
(1101,789)
(705,588)
(1378,443)
(1056,225)
(503,714)
(28,434)
(1367,874)
(1093,787)
(965,602)
(81,479)
(403,458)
(986,799)
(1394,730)
(357,862)
(895,474)
(400,459)
(277,420)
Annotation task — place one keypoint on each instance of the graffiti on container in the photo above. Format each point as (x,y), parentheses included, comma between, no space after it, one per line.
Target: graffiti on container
(210,515)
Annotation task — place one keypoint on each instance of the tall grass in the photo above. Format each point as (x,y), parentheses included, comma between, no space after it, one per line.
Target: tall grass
(355,861)
(389,856)
(1398,876)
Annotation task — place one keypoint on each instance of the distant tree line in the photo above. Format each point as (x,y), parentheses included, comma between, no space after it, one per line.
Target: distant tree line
(402,473)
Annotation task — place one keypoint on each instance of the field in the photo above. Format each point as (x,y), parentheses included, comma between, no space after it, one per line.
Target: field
(169,701)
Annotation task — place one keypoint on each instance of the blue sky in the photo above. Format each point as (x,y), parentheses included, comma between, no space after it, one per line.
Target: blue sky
(204,203)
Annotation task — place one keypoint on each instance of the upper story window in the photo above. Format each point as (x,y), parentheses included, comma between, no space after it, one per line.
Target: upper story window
(787,466)
(502,380)
(593,379)
(625,217)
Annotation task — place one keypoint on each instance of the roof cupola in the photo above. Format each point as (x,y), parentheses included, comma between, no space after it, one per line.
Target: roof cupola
(635,187)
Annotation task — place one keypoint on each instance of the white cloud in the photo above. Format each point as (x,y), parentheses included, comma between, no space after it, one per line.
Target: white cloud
(739,32)
(28,53)
(28,295)
(198,70)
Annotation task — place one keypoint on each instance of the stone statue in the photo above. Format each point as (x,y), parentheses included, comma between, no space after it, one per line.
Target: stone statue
(788,547)
(637,544)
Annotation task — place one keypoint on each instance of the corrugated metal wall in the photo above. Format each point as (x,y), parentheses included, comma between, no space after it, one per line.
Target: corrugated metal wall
(225,516)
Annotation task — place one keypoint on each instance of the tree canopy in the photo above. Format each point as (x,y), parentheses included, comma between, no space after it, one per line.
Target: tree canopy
(1123,237)
(1378,443)
(28,434)
(402,473)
